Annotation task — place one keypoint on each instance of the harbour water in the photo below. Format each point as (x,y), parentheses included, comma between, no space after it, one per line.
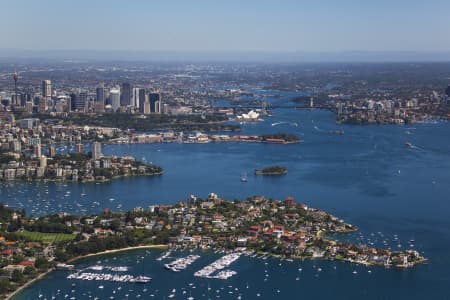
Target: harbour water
(366,176)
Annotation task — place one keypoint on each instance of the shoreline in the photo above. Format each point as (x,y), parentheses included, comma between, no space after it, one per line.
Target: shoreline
(21,288)
(41,276)
(117,251)
(82,180)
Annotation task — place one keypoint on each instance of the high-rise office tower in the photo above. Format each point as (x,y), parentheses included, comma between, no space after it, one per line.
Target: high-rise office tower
(125,94)
(447,91)
(136,97)
(100,94)
(158,107)
(29,107)
(142,98)
(47,89)
(100,99)
(153,99)
(78,101)
(42,107)
(114,97)
(25,97)
(146,107)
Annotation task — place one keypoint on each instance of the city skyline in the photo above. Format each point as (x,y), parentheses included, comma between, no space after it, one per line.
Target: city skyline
(229,30)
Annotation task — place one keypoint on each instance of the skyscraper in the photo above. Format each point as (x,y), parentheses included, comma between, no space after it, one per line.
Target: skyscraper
(154,98)
(100,92)
(143,97)
(146,109)
(114,96)
(99,104)
(135,98)
(447,91)
(126,94)
(26,96)
(42,107)
(158,107)
(47,89)
(78,101)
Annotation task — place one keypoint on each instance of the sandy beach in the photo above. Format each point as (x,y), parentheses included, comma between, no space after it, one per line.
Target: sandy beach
(118,250)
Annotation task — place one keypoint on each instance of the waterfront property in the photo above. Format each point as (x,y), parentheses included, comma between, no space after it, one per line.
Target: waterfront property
(284,229)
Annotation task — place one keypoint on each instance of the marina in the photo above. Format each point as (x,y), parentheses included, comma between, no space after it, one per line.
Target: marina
(219,265)
(109,277)
(181,263)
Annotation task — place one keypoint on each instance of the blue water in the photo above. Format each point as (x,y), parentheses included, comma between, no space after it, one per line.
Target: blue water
(366,176)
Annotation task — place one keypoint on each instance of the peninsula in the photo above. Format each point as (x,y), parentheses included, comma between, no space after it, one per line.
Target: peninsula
(78,167)
(286,229)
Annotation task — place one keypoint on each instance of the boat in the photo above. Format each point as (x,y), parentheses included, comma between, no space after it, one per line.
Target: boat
(181,263)
(62,266)
(219,265)
(142,279)
(244,177)
(408,144)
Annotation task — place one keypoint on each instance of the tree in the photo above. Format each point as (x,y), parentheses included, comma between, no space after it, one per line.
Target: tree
(61,255)
(4,286)
(29,271)
(115,225)
(41,263)
(17,276)
(17,259)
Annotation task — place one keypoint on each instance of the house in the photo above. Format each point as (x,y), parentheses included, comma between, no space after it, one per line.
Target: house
(101,231)
(89,221)
(241,242)
(9,269)
(7,252)
(27,263)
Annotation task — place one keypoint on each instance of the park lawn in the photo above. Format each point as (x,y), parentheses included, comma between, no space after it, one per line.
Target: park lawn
(47,237)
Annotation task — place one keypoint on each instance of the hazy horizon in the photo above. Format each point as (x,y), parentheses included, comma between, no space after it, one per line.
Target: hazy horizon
(224,56)
(298,30)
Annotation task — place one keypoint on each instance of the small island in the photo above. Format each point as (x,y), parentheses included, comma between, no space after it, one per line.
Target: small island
(273,170)
(280,138)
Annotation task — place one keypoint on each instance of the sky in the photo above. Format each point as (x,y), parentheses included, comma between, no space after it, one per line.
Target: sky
(227,25)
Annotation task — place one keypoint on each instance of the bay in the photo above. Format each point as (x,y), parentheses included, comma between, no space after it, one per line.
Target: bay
(366,176)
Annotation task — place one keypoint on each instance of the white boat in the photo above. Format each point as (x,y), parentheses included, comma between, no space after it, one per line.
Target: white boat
(244,177)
